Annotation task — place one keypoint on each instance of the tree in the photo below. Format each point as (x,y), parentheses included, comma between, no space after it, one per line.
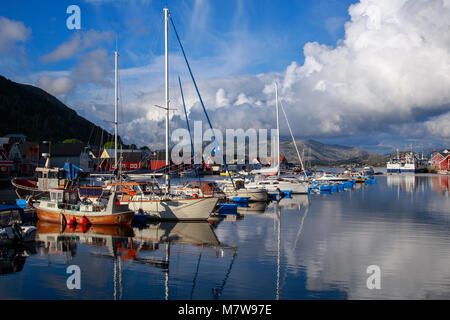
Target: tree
(73,140)
(110,145)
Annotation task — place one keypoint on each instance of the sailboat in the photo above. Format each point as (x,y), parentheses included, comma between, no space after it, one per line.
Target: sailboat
(159,202)
(271,181)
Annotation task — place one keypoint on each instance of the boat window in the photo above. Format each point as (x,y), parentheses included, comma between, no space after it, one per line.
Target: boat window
(52,175)
(39,174)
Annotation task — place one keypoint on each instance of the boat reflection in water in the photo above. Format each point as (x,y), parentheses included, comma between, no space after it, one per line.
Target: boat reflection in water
(13,257)
(413,183)
(295,202)
(301,204)
(148,244)
(199,234)
(403,182)
(252,208)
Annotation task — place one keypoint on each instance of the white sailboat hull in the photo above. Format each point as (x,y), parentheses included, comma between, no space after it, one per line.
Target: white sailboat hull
(254,195)
(175,209)
(274,186)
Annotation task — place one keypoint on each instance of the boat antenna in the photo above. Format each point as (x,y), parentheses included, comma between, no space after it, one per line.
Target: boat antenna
(201,101)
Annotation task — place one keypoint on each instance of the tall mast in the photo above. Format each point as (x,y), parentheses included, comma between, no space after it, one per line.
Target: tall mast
(116,103)
(278,130)
(166,46)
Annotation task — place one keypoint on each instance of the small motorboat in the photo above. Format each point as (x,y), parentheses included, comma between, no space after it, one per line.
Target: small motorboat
(12,229)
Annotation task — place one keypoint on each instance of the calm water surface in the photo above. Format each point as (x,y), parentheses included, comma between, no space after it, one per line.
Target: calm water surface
(316,247)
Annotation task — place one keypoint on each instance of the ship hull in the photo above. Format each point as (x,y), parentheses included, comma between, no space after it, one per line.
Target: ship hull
(295,188)
(122,218)
(253,195)
(25,188)
(178,209)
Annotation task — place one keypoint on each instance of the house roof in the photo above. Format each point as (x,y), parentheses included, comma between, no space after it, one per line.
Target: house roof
(109,153)
(445,157)
(129,156)
(63,149)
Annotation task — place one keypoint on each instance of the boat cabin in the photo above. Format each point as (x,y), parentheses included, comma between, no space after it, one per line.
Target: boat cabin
(50,178)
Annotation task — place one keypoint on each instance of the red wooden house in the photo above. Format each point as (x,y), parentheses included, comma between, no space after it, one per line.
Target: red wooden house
(130,160)
(441,161)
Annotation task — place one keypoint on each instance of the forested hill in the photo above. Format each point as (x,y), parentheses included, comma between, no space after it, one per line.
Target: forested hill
(28,110)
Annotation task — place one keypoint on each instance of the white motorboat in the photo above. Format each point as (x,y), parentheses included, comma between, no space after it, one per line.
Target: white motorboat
(224,189)
(274,184)
(331,177)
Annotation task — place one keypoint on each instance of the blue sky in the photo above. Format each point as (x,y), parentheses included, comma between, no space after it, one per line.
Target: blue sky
(137,26)
(366,81)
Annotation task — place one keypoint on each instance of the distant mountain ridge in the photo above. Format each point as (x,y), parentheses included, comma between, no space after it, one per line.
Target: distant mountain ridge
(317,153)
(320,153)
(40,116)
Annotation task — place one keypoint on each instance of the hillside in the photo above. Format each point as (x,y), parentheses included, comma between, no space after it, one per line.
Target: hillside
(40,116)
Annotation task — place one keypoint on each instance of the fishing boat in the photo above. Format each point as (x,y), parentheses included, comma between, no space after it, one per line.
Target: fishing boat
(65,207)
(47,177)
(408,162)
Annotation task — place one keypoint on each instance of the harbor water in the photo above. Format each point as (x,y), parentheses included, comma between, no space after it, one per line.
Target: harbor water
(305,247)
